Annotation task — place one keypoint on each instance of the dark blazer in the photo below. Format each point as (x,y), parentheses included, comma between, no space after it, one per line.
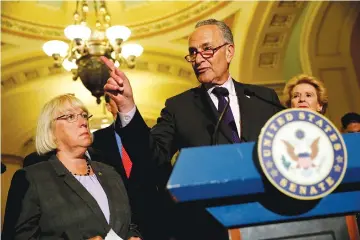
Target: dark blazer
(46,202)
(141,186)
(188,120)
(146,208)
(105,142)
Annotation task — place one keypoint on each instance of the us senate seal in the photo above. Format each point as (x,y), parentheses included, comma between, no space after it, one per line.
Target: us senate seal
(302,154)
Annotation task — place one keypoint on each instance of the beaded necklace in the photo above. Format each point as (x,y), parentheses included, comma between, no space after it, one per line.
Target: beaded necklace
(87,172)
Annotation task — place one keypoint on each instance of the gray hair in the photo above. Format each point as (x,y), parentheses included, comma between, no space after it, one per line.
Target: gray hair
(45,140)
(225,30)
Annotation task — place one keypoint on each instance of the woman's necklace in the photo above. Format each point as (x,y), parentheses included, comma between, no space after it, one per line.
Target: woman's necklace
(87,172)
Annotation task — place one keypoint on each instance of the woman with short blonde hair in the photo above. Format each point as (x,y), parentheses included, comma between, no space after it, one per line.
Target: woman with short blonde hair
(305,91)
(45,141)
(71,195)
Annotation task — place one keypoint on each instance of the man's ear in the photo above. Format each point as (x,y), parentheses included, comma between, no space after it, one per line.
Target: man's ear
(230,51)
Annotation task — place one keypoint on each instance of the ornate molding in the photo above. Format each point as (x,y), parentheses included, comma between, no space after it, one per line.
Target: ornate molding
(16,78)
(172,22)
(6,46)
(276,34)
(178,20)
(268,59)
(274,39)
(311,15)
(28,29)
(282,20)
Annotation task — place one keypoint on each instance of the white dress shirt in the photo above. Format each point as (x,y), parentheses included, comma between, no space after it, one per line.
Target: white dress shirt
(125,118)
(234,103)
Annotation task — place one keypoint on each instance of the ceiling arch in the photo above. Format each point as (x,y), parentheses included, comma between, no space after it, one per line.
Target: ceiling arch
(177,15)
(325,53)
(266,41)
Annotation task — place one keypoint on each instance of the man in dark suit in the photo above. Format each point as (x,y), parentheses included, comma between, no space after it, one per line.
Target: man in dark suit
(139,179)
(189,119)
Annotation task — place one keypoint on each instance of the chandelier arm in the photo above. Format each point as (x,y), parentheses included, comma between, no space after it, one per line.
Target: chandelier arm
(72,51)
(103,3)
(98,24)
(76,13)
(106,15)
(83,12)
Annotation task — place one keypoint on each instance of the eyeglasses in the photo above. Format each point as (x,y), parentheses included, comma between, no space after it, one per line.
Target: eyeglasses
(208,53)
(74,117)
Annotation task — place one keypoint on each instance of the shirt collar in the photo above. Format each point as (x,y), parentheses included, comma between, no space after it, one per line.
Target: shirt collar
(229,85)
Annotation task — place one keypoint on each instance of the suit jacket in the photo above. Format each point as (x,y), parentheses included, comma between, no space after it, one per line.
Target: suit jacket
(141,185)
(45,201)
(188,120)
(146,209)
(105,142)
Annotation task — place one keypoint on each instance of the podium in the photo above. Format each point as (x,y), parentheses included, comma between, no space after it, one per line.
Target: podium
(251,208)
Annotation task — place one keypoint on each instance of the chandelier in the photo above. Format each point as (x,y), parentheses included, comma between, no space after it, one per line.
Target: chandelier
(82,55)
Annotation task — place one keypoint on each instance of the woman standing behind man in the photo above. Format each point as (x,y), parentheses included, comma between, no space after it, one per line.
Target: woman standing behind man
(69,196)
(304,91)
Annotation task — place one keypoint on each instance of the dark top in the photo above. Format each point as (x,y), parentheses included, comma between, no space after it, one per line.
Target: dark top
(46,201)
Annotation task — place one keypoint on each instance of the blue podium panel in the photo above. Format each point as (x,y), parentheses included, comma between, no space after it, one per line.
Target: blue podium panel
(352,142)
(228,170)
(255,213)
(208,172)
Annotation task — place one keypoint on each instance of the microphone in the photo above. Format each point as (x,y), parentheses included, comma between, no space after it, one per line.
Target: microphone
(250,93)
(225,93)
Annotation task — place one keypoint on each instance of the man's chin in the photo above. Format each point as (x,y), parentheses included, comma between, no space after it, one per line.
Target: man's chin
(202,78)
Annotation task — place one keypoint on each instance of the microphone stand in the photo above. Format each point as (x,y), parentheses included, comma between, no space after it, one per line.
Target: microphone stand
(216,130)
(249,93)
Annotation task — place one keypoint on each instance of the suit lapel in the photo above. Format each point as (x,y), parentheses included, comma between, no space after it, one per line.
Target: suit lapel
(100,174)
(112,150)
(203,102)
(245,111)
(78,189)
(206,105)
(110,184)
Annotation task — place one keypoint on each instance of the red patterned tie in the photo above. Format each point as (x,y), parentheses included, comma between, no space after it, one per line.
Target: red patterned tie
(126,161)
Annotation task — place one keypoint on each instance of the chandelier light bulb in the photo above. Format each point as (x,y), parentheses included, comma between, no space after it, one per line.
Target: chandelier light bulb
(107,17)
(76,16)
(69,65)
(85,7)
(132,49)
(118,32)
(77,32)
(113,55)
(55,47)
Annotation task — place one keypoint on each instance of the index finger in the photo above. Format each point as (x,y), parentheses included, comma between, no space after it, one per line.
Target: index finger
(108,63)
